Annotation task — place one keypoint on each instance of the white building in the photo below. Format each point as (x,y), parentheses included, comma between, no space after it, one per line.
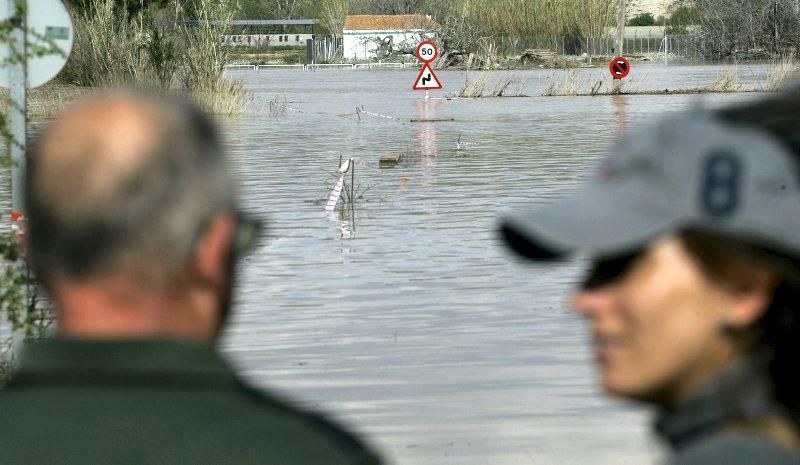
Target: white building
(361,33)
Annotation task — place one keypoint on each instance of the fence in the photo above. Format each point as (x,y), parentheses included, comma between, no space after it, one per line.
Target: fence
(683,45)
(323,49)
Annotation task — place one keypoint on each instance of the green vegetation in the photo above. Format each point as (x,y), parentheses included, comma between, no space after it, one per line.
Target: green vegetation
(155,46)
(644,19)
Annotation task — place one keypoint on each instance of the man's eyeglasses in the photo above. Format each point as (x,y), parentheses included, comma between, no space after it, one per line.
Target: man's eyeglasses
(247,234)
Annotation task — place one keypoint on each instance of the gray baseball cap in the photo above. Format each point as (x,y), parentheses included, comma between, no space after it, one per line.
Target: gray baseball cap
(691,171)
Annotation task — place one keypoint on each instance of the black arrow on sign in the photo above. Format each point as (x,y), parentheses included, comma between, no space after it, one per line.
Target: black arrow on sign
(620,67)
(424,79)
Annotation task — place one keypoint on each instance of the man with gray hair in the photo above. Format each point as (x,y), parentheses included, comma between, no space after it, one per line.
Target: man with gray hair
(134,232)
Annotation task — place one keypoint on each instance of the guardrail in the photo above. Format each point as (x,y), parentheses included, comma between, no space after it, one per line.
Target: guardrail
(334,66)
(253,67)
(260,67)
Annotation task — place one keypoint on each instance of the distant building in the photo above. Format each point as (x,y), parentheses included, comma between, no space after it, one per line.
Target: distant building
(268,32)
(363,33)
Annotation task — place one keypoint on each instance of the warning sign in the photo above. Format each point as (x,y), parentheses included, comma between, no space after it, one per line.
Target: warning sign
(426,79)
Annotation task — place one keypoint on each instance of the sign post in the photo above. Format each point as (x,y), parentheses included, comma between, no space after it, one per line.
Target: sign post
(427,80)
(620,39)
(46,26)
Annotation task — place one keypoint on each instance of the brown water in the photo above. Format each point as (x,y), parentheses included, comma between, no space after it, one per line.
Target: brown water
(406,319)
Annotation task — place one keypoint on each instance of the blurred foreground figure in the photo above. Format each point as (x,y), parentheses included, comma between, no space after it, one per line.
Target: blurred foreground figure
(693,297)
(134,231)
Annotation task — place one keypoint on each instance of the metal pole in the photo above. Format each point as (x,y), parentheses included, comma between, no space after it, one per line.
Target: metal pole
(17,70)
(352,182)
(18,108)
(620,40)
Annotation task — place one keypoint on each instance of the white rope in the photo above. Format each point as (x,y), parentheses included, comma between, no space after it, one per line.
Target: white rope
(362,110)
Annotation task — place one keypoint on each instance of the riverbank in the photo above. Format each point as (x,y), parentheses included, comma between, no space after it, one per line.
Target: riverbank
(49,100)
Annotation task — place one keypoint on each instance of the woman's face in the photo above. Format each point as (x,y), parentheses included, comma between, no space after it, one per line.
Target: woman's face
(659,326)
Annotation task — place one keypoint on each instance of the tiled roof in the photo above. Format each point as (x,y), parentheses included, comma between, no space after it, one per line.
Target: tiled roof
(386,22)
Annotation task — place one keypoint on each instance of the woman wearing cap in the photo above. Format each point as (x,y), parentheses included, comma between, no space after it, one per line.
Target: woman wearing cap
(693,297)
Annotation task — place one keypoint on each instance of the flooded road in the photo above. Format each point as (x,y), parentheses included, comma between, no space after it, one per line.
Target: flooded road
(404,317)
(407,319)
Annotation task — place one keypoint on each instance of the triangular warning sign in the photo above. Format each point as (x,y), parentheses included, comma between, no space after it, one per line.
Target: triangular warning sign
(426,79)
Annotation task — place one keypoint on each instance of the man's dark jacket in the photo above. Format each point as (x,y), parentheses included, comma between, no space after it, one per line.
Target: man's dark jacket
(154,402)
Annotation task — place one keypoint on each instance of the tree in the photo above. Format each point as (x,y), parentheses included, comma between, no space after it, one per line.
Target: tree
(734,27)
(331,14)
(642,19)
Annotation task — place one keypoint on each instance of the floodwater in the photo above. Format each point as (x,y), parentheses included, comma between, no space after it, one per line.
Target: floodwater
(404,317)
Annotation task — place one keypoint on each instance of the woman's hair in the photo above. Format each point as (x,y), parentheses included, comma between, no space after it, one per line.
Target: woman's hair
(775,338)
(778,331)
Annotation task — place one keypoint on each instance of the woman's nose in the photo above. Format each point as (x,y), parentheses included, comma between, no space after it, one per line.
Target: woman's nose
(592,302)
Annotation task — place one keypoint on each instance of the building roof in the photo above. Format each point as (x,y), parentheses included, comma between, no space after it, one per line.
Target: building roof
(386,22)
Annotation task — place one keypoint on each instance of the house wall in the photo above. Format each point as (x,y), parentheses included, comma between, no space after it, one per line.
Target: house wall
(360,45)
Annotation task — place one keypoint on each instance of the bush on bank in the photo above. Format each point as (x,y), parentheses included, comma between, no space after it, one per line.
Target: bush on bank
(155,47)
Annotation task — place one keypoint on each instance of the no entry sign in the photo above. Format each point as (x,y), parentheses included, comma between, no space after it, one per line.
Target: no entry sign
(619,67)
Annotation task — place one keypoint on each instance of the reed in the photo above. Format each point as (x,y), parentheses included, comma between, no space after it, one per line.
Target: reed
(475,87)
(726,81)
(112,49)
(569,85)
(779,73)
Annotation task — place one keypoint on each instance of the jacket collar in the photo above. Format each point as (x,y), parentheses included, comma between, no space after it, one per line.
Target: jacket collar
(740,393)
(81,361)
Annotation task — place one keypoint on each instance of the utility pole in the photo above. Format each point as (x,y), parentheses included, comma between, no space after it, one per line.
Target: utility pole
(620,42)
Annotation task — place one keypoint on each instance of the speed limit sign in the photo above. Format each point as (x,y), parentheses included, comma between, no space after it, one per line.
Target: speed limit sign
(427,51)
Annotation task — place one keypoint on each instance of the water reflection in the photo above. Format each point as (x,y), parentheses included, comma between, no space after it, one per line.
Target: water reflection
(620,103)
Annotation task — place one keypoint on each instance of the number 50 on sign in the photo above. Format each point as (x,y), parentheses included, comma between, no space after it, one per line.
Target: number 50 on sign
(427,51)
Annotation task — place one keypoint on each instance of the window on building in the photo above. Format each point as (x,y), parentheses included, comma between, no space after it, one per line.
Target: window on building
(280,38)
(297,38)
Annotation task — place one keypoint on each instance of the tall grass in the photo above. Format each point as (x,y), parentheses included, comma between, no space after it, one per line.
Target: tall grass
(726,81)
(113,50)
(568,85)
(779,73)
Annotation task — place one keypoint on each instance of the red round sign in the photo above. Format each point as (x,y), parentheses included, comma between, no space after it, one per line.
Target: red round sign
(619,67)
(427,51)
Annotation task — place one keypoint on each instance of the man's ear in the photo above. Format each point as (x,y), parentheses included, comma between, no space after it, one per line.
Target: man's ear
(214,247)
(754,295)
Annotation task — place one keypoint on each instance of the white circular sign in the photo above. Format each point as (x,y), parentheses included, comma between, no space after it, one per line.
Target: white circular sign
(49,28)
(426,51)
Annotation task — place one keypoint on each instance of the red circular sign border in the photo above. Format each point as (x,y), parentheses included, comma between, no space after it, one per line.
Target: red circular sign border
(614,61)
(435,49)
